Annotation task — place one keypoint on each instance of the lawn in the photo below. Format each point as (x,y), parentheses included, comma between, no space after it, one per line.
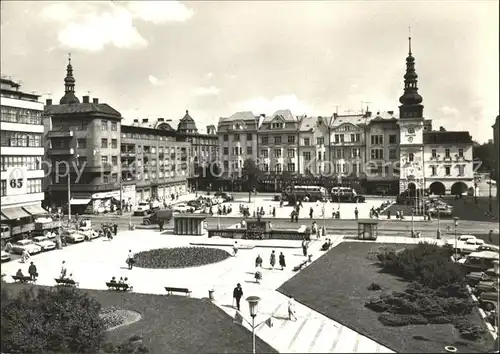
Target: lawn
(177,324)
(336,285)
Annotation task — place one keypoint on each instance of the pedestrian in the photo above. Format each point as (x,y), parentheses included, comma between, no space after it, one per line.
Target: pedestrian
(304,247)
(237,295)
(258,276)
(292,216)
(272,259)
(32,271)
(160,224)
(64,270)
(235,248)
(356,213)
(311,212)
(490,236)
(388,214)
(282,260)
(291,309)
(130,259)
(258,261)
(269,225)
(115,228)
(274,212)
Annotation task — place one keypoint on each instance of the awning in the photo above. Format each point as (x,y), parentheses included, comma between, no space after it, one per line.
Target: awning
(35,210)
(15,213)
(3,217)
(80,201)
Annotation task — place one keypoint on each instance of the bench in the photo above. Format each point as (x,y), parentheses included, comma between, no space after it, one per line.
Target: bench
(300,266)
(118,286)
(66,282)
(171,290)
(23,279)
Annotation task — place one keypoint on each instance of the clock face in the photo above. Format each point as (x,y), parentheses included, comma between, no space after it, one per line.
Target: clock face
(410,139)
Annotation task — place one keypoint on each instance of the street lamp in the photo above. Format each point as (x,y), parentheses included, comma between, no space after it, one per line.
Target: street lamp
(475,189)
(439,225)
(455,224)
(253,304)
(490,206)
(412,223)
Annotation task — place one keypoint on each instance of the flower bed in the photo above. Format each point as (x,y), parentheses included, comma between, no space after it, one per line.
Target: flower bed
(111,316)
(180,257)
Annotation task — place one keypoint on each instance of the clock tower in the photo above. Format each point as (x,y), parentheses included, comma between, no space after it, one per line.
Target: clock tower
(411,124)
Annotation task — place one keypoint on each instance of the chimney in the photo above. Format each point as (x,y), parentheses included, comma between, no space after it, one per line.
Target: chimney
(263,115)
(48,102)
(368,114)
(144,120)
(136,120)
(161,119)
(390,112)
(95,101)
(335,115)
(86,99)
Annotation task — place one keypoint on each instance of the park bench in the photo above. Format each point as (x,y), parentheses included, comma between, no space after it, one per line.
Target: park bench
(66,282)
(118,286)
(171,290)
(23,279)
(300,266)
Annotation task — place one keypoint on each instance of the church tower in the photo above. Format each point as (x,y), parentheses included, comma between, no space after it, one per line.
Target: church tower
(411,124)
(69,86)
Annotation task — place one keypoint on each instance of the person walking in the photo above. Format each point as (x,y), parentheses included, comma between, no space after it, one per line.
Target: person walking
(258,262)
(490,236)
(32,271)
(237,295)
(304,247)
(291,309)
(235,248)
(282,260)
(64,270)
(130,259)
(356,213)
(311,212)
(272,259)
(274,212)
(115,228)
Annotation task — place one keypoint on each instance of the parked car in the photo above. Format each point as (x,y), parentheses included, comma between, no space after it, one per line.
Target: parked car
(471,245)
(478,261)
(460,239)
(164,215)
(143,208)
(488,301)
(486,287)
(225,196)
(5,256)
(474,278)
(197,204)
(44,242)
(487,247)
(181,208)
(73,236)
(20,246)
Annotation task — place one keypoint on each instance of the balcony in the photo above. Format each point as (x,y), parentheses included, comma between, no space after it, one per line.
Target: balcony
(61,151)
(98,168)
(60,134)
(90,188)
(130,168)
(128,153)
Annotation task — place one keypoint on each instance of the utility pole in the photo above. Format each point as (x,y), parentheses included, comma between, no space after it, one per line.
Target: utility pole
(362,104)
(120,212)
(337,109)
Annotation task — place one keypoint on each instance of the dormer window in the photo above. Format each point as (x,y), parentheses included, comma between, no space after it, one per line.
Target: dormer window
(278,125)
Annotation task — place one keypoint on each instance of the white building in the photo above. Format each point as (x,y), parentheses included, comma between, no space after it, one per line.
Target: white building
(21,160)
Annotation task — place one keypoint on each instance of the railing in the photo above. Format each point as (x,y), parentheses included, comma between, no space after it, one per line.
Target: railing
(61,151)
(60,134)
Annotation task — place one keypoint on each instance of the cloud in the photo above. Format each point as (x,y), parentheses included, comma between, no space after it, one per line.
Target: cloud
(269,106)
(92,26)
(155,81)
(207,91)
(449,111)
(209,75)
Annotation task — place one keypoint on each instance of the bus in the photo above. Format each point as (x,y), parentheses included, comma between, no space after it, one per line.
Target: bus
(308,193)
(346,195)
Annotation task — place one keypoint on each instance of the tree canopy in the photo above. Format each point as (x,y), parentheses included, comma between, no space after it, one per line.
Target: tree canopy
(251,173)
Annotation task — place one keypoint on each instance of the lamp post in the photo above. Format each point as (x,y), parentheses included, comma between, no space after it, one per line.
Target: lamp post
(412,223)
(439,226)
(475,190)
(455,224)
(490,206)
(253,303)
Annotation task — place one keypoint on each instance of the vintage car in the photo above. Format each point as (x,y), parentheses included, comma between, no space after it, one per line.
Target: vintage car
(74,236)
(488,247)
(486,287)
(25,245)
(5,256)
(225,196)
(181,208)
(143,208)
(44,243)
(471,245)
(460,239)
(488,301)
(474,278)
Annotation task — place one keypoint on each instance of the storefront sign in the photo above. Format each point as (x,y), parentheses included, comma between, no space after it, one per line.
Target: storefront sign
(17,183)
(113,194)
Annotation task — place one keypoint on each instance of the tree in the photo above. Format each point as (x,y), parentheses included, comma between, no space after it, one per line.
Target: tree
(41,320)
(251,173)
(485,153)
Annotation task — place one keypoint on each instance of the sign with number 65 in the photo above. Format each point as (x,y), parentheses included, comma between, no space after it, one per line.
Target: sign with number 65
(17,183)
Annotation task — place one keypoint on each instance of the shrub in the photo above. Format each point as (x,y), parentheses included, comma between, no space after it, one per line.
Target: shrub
(180,257)
(375,251)
(111,317)
(399,320)
(374,287)
(468,330)
(51,320)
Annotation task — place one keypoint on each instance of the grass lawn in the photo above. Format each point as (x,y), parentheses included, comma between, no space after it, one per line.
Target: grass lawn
(177,324)
(336,286)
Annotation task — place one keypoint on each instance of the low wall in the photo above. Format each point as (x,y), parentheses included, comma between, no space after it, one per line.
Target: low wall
(269,235)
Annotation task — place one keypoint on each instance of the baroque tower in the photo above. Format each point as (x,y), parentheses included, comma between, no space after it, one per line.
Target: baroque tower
(69,86)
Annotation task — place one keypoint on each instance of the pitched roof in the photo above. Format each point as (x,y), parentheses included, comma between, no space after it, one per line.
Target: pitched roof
(90,108)
(308,123)
(352,119)
(447,137)
(187,123)
(286,114)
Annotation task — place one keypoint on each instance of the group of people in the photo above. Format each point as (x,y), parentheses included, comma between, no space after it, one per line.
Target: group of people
(121,281)
(32,271)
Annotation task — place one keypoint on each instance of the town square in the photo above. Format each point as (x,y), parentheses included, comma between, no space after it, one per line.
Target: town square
(254,177)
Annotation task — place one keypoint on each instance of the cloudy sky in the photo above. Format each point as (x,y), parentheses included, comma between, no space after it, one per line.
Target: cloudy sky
(157,59)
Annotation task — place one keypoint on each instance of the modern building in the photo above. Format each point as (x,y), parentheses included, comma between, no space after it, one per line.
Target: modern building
(21,159)
(154,164)
(496,141)
(313,150)
(82,147)
(204,150)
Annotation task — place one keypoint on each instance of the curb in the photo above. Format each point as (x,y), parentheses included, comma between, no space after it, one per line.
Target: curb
(483,315)
(241,248)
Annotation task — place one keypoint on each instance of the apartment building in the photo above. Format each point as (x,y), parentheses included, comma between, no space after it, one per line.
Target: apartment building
(238,141)
(347,145)
(313,152)
(21,159)
(382,153)
(154,165)
(82,149)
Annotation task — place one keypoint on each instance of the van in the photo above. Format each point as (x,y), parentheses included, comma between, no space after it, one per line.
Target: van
(479,261)
(5,231)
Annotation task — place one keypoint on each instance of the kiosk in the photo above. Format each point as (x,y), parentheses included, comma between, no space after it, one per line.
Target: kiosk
(189,224)
(367,229)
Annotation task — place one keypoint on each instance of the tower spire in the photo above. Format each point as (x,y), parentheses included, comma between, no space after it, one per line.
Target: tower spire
(409,40)
(69,85)
(410,100)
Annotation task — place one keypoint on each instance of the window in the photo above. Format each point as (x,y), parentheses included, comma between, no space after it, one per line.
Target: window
(339,153)
(249,150)
(460,152)
(447,170)
(104,125)
(226,165)
(105,179)
(249,136)
(277,153)
(411,157)
(104,143)
(291,139)
(433,170)
(344,168)
(265,140)
(114,143)
(30,162)
(337,138)
(355,153)
(393,139)
(358,138)
(20,139)
(3,187)
(266,167)
(236,137)
(104,160)
(237,150)
(341,138)
(81,143)
(377,139)
(353,138)
(264,153)
(226,150)
(114,160)
(306,155)
(320,141)
(20,115)
(461,170)
(277,139)
(434,153)
(225,137)
(355,168)
(114,126)
(393,154)
(114,177)
(447,152)
(319,156)
(307,142)
(377,154)
(291,167)
(291,152)
(277,125)
(34,185)
(279,169)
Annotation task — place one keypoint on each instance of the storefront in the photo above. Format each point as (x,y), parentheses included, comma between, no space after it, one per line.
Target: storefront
(105,202)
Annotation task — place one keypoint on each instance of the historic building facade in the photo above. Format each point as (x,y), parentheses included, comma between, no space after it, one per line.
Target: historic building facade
(21,158)
(313,150)
(496,142)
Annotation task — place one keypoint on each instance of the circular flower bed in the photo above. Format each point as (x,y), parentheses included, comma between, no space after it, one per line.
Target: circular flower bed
(112,316)
(180,257)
